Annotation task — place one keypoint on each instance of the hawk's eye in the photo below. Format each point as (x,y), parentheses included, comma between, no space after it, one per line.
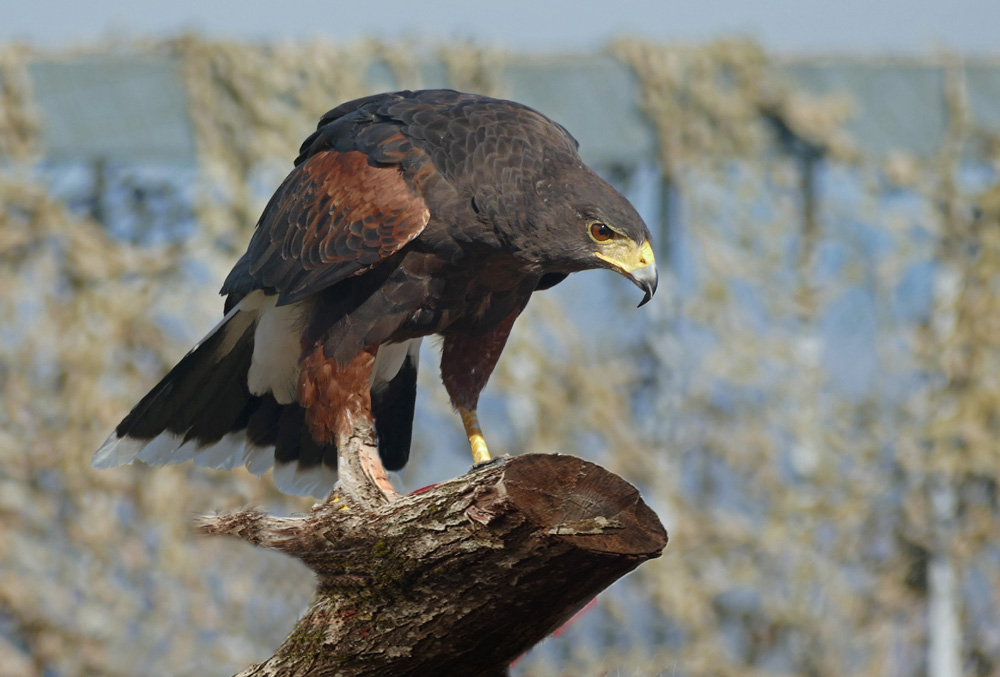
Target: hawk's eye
(600,232)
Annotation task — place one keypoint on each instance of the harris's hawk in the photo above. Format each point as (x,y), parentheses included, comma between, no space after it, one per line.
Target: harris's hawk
(407,214)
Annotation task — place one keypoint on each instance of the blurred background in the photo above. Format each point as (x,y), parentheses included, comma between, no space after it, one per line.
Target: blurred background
(810,402)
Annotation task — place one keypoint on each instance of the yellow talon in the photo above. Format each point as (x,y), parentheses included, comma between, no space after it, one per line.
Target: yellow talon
(480,454)
(336,498)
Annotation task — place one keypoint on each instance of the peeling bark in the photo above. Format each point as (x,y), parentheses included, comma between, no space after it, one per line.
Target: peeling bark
(460,579)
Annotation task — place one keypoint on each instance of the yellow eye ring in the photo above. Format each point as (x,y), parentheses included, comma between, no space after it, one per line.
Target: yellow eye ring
(600,232)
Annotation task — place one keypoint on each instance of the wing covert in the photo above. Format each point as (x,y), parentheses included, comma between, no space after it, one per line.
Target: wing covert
(338,213)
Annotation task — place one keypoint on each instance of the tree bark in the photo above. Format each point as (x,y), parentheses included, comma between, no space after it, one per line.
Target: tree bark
(459,579)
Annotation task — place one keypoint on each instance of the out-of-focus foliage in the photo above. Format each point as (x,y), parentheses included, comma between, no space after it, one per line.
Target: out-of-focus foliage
(810,401)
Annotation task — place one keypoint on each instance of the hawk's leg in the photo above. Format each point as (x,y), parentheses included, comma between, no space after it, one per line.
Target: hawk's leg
(337,400)
(466,365)
(480,454)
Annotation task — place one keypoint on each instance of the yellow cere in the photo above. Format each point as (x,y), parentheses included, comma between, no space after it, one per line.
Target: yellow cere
(624,255)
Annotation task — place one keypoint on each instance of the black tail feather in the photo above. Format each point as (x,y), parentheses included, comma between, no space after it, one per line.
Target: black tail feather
(188,396)
(206,397)
(393,405)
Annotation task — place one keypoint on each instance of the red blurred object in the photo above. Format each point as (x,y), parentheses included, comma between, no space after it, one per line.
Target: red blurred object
(562,628)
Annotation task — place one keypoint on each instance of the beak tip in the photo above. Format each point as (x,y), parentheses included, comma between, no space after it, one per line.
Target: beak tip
(646,279)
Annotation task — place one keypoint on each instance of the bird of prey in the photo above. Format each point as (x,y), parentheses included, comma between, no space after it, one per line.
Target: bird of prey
(407,214)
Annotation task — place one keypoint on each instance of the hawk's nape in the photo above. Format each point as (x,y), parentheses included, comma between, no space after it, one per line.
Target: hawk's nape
(407,214)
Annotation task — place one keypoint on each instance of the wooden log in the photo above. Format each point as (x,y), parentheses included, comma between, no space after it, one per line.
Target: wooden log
(459,579)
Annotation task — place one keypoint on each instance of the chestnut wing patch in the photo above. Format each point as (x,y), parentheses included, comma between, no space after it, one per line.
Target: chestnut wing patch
(334,216)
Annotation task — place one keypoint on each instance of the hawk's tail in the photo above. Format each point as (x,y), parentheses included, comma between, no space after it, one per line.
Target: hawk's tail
(203,410)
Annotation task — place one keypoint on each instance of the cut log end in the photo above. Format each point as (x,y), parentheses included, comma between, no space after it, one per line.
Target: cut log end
(584,504)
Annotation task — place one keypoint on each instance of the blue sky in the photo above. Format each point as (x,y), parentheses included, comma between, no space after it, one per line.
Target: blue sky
(789,26)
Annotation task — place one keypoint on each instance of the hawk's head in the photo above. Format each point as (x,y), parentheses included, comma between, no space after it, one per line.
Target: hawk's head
(586,224)
(545,206)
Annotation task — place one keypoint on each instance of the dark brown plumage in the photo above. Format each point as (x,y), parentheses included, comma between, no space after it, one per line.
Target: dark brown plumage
(407,214)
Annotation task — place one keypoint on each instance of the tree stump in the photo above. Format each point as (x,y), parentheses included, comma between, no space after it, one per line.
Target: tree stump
(458,579)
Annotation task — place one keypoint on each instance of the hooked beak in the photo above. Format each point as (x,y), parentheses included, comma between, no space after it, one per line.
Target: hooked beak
(637,264)
(645,279)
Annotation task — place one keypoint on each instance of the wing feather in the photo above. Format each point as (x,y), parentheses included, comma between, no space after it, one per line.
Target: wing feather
(336,215)
(352,215)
